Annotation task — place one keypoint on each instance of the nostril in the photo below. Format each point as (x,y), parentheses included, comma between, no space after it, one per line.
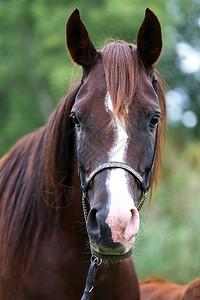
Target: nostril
(133,213)
(92,224)
(134,222)
(92,218)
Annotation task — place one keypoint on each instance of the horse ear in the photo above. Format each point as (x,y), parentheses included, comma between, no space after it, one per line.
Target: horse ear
(149,39)
(79,44)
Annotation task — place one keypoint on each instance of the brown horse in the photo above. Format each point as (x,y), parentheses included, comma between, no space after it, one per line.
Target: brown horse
(114,115)
(163,290)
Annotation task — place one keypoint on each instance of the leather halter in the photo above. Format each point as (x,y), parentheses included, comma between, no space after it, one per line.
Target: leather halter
(108,165)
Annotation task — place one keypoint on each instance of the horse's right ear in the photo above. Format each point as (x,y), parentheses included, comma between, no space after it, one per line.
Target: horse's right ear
(79,44)
(149,39)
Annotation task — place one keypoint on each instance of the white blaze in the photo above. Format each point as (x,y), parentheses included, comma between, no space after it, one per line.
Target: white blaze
(120,219)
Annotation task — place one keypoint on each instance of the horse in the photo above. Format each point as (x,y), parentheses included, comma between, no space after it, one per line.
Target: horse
(99,147)
(160,289)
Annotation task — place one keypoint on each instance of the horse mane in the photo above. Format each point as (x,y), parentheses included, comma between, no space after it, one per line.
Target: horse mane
(152,278)
(122,68)
(162,127)
(33,182)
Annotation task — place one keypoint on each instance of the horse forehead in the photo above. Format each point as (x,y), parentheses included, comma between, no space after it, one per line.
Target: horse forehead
(92,92)
(145,93)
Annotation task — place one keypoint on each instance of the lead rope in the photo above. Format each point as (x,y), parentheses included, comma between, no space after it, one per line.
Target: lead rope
(95,262)
(94,266)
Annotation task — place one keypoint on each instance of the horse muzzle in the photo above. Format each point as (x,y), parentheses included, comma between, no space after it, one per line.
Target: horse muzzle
(112,236)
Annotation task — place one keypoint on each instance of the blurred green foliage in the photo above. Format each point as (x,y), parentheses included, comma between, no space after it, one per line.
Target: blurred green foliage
(36,72)
(170,229)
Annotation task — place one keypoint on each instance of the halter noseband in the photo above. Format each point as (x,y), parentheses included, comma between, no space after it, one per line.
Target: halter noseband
(108,165)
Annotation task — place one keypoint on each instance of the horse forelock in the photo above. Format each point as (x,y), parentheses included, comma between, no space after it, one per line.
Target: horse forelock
(121,74)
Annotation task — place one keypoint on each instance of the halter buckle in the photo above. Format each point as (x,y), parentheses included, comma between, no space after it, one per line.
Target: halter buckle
(98,261)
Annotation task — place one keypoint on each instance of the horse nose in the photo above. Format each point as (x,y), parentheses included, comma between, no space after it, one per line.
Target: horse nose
(124,225)
(113,232)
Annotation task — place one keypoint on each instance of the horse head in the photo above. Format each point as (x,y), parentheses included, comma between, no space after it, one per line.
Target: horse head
(117,114)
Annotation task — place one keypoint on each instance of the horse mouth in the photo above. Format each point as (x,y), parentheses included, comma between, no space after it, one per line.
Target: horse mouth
(112,256)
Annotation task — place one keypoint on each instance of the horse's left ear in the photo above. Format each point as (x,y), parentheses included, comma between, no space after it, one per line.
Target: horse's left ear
(79,44)
(149,39)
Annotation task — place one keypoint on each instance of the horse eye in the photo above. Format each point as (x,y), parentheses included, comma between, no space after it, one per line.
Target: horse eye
(75,119)
(154,121)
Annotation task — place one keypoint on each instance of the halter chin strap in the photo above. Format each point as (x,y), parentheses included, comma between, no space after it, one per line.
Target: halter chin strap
(109,165)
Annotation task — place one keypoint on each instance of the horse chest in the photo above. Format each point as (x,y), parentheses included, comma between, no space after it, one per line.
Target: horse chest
(64,279)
